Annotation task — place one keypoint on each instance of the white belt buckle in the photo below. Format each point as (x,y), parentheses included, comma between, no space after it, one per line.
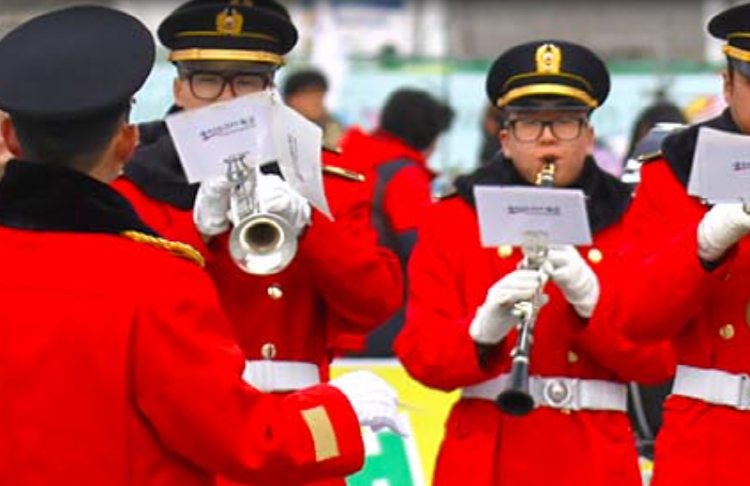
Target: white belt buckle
(744,399)
(563,394)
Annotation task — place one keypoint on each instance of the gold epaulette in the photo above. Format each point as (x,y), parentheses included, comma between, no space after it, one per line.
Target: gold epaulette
(345,173)
(447,194)
(331,149)
(650,157)
(176,248)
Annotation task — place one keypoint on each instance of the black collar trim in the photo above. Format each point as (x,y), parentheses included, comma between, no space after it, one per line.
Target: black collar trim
(607,197)
(679,148)
(156,169)
(46,197)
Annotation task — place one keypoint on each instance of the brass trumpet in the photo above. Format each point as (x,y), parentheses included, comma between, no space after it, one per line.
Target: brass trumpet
(260,243)
(516,398)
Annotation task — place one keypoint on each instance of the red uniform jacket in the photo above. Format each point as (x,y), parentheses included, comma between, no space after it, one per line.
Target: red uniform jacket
(450,275)
(407,194)
(399,192)
(118,367)
(668,294)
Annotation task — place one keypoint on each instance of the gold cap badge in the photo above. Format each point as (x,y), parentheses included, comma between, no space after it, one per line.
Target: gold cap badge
(548,59)
(229,22)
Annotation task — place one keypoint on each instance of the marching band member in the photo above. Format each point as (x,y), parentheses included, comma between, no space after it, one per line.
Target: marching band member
(118,365)
(340,281)
(690,262)
(459,328)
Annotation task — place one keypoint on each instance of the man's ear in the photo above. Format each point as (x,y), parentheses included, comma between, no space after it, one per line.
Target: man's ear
(504,136)
(726,84)
(178,88)
(8,132)
(126,142)
(592,138)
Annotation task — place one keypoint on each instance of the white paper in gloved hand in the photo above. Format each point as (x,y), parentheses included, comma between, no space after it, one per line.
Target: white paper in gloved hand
(374,401)
(494,318)
(276,196)
(298,143)
(211,208)
(574,277)
(721,227)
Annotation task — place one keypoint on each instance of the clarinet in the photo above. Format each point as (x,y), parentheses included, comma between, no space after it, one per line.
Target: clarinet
(516,398)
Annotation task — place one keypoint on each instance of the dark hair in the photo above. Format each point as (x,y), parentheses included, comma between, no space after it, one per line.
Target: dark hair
(415,117)
(74,143)
(308,79)
(661,111)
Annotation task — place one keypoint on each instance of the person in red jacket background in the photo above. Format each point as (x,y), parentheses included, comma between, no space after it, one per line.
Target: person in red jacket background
(690,261)
(394,157)
(339,280)
(460,325)
(118,366)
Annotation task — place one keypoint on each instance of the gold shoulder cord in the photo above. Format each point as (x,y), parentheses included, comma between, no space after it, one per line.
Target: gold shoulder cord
(452,192)
(345,173)
(176,248)
(650,156)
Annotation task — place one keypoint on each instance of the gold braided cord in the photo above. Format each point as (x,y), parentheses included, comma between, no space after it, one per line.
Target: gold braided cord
(547,89)
(176,248)
(736,53)
(225,55)
(535,74)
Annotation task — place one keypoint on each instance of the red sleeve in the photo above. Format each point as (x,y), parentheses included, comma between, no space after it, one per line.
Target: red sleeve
(360,281)
(435,346)
(649,363)
(187,380)
(660,285)
(407,197)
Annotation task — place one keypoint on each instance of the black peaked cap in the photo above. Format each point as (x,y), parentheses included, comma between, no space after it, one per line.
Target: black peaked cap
(73,63)
(548,68)
(259,31)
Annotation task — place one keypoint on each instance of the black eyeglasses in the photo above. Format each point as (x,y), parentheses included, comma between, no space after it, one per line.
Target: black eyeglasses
(209,86)
(530,129)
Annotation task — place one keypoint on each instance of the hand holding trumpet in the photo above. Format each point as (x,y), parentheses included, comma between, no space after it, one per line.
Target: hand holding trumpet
(212,214)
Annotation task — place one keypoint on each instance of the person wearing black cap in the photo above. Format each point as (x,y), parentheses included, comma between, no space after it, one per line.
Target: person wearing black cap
(460,327)
(691,262)
(118,365)
(223,49)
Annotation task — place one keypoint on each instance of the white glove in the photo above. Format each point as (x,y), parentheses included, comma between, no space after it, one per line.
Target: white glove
(276,196)
(574,277)
(721,227)
(374,401)
(210,212)
(494,318)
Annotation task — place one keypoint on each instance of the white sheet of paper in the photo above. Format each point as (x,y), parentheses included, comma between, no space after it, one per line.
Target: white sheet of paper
(721,167)
(507,212)
(208,136)
(298,143)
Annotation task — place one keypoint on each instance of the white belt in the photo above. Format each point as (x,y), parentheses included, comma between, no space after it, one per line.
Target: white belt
(559,392)
(271,376)
(713,386)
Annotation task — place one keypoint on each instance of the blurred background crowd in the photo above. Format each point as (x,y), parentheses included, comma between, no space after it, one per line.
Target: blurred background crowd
(354,53)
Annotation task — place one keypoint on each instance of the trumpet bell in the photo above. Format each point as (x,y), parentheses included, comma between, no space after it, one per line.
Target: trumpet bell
(262,244)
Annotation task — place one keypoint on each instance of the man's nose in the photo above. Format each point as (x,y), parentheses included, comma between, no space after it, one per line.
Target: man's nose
(226,93)
(547,133)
